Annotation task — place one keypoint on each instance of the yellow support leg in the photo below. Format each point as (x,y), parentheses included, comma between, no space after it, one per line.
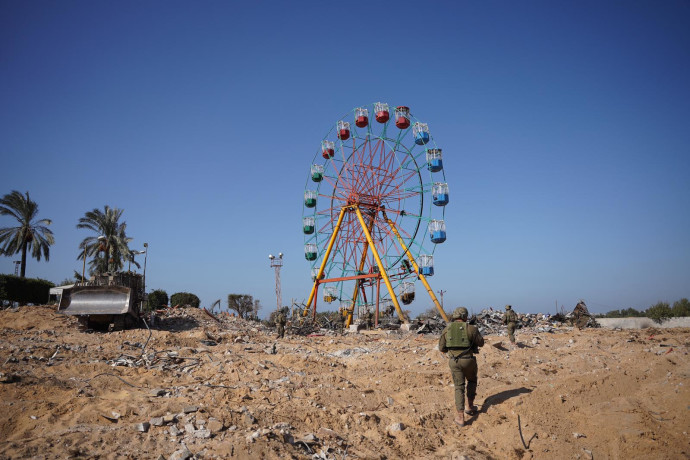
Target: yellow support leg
(416,268)
(382,270)
(325,259)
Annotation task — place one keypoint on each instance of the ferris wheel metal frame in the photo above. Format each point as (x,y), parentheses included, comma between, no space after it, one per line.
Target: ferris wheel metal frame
(372,180)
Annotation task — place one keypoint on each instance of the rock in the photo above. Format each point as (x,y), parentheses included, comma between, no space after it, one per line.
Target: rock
(190,409)
(169,418)
(309,438)
(535,341)
(327,433)
(202,433)
(143,427)
(174,431)
(579,435)
(189,428)
(158,392)
(395,427)
(249,418)
(215,425)
(182,454)
(157,421)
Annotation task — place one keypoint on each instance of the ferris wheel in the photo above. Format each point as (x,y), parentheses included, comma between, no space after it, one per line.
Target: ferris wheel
(373,214)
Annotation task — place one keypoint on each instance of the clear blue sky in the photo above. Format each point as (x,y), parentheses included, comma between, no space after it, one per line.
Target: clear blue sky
(565,128)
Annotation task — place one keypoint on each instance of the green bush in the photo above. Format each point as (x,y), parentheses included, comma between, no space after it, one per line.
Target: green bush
(157,299)
(24,290)
(659,312)
(681,308)
(185,298)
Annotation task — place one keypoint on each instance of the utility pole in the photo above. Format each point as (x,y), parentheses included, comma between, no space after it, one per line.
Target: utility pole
(276,263)
(441,292)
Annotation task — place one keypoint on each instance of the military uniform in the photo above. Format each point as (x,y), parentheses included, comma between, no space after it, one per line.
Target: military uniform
(339,322)
(280,323)
(370,320)
(510,319)
(461,341)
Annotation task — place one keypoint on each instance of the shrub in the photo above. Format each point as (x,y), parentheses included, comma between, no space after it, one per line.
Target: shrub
(659,312)
(681,308)
(157,298)
(185,298)
(24,290)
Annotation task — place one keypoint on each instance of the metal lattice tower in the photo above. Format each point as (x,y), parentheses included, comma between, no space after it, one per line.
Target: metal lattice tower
(276,263)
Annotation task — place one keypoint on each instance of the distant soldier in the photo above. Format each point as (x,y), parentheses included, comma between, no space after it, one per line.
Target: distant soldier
(340,321)
(510,319)
(581,315)
(369,317)
(280,323)
(461,340)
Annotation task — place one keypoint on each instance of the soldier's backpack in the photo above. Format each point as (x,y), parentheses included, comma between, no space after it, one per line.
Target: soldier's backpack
(457,336)
(511,316)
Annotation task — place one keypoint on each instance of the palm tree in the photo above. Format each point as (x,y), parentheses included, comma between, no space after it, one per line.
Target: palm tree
(30,234)
(111,239)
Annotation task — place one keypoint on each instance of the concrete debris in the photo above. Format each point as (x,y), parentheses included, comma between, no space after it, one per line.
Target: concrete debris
(202,433)
(157,421)
(394,427)
(490,322)
(190,409)
(143,427)
(182,454)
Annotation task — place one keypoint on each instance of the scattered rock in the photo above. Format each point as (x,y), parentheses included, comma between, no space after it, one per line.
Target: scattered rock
(202,433)
(158,392)
(182,454)
(190,409)
(143,427)
(157,421)
(215,425)
(396,427)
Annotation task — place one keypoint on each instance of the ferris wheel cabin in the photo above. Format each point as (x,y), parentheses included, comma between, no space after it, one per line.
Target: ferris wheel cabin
(439,193)
(361,117)
(308,225)
(310,198)
(426,264)
(382,113)
(421,133)
(310,251)
(327,149)
(343,130)
(402,117)
(437,231)
(434,160)
(407,292)
(317,173)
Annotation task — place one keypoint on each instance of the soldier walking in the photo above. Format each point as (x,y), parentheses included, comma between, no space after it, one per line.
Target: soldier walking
(280,323)
(339,321)
(461,341)
(510,320)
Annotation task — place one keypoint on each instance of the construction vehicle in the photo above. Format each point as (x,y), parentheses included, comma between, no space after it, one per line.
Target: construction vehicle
(110,301)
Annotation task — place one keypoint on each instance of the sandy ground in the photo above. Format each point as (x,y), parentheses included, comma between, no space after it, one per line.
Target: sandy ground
(592,394)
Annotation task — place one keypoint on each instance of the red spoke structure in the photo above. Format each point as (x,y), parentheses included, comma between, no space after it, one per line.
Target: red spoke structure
(370,213)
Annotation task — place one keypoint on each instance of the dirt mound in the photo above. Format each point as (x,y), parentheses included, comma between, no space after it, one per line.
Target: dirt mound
(226,389)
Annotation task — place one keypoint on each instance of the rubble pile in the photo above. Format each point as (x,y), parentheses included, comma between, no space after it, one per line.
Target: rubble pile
(490,322)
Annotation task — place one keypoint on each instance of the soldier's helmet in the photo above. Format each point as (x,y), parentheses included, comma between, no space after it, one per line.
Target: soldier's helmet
(508,307)
(459,313)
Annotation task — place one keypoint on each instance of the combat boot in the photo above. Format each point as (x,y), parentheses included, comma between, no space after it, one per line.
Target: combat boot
(460,419)
(472,408)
